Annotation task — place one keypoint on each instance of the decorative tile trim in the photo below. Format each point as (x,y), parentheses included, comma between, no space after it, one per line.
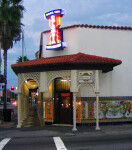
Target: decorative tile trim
(107,98)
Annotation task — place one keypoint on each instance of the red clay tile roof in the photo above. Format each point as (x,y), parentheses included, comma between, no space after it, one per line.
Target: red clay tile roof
(78,58)
(95,26)
(74,59)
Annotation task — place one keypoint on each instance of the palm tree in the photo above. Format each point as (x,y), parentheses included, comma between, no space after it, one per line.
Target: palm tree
(11,13)
(20,59)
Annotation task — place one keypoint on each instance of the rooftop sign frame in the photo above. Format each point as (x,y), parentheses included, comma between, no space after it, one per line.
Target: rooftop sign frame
(56,35)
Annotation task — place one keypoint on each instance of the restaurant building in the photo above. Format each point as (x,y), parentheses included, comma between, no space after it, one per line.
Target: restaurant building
(81,75)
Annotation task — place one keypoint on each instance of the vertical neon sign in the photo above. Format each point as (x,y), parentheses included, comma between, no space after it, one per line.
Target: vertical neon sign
(56,37)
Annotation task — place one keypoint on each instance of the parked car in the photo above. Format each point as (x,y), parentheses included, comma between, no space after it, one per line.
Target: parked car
(2,103)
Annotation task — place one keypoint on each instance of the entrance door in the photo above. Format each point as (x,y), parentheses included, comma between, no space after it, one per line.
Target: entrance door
(65,108)
(64,113)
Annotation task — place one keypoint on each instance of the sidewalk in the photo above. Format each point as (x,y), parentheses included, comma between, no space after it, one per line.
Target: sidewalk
(7,124)
(9,130)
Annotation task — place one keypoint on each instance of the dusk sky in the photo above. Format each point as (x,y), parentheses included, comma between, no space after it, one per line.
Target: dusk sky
(91,12)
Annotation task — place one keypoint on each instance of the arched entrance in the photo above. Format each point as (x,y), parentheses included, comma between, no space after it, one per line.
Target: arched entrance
(28,104)
(33,91)
(63,107)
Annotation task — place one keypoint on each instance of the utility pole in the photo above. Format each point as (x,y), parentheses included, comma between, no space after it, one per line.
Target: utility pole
(5,73)
(22,46)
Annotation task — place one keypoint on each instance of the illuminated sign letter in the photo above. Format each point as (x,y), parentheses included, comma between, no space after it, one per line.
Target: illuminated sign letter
(56,35)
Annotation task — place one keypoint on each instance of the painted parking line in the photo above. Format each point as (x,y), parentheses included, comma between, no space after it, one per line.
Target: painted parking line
(4,142)
(59,143)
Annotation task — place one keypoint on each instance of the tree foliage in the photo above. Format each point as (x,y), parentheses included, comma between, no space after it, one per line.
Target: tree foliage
(11,13)
(20,59)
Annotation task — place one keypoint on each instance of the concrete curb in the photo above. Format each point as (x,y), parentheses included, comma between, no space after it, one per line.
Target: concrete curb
(8,129)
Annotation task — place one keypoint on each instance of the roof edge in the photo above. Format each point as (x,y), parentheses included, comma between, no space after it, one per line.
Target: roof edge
(94,26)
